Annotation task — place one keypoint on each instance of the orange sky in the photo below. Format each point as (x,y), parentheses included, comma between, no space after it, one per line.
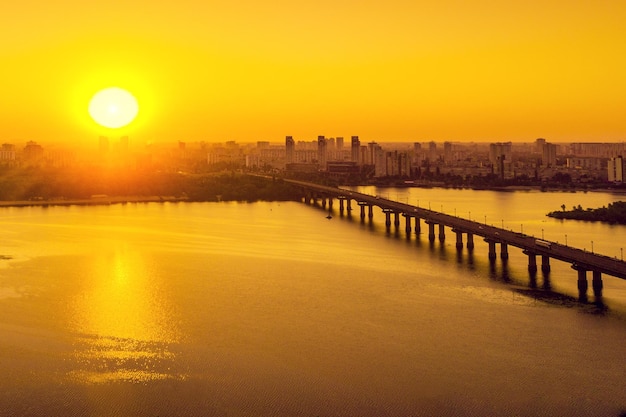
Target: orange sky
(247,70)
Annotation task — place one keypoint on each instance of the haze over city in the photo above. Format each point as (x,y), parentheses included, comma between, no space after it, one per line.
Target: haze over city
(248,71)
(329,208)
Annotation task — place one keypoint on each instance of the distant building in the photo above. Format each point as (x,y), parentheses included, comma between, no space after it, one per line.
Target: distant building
(290,146)
(539,143)
(548,157)
(32,151)
(355,147)
(8,155)
(616,169)
(432,151)
(586,163)
(447,152)
(501,157)
(339,143)
(321,151)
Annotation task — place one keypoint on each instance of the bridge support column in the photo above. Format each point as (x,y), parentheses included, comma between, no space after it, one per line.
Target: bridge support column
(418,226)
(362,205)
(470,241)
(348,205)
(396,219)
(582,283)
(442,233)
(330,203)
(407,226)
(370,212)
(459,239)
(492,250)
(387,218)
(323,202)
(545,263)
(596,283)
(504,251)
(341,206)
(431,232)
(532,262)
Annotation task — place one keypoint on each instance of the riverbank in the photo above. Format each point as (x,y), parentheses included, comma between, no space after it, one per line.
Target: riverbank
(100,200)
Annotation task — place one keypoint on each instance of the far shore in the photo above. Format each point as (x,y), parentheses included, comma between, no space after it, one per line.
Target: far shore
(99,200)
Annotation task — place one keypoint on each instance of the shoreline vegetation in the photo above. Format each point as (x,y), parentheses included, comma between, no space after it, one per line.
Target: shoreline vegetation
(39,187)
(614,213)
(31,186)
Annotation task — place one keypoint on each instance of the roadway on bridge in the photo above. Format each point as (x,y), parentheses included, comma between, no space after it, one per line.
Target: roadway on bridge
(577,257)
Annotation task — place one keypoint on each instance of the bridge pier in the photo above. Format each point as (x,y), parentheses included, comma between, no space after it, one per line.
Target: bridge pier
(387,217)
(470,242)
(323,202)
(582,282)
(459,239)
(370,212)
(407,220)
(418,227)
(492,249)
(362,204)
(396,219)
(348,206)
(596,284)
(341,208)
(442,233)
(330,203)
(504,251)
(431,231)
(545,263)
(532,261)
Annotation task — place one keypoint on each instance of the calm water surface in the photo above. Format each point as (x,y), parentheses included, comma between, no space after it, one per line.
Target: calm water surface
(270,309)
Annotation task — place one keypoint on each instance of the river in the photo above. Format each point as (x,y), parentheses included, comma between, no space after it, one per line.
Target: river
(271,309)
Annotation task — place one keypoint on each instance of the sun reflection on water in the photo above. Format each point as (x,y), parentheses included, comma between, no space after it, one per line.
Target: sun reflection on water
(126,322)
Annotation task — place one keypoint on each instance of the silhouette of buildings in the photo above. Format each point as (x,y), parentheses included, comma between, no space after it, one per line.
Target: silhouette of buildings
(616,169)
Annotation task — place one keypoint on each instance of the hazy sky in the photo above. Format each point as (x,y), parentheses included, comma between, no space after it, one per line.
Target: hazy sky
(249,70)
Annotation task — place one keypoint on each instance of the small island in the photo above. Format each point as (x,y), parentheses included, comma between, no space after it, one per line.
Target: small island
(615,213)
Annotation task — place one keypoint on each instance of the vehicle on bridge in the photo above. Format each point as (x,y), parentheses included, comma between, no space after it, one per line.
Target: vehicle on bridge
(543,243)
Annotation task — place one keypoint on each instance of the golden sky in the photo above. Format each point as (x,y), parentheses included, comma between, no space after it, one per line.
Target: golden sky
(249,70)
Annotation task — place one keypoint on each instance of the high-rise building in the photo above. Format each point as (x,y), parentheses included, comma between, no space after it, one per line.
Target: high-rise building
(447,152)
(321,152)
(355,147)
(548,157)
(432,151)
(290,146)
(339,143)
(539,145)
(616,169)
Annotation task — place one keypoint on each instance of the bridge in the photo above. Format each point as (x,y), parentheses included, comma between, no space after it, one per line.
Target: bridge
(436,222)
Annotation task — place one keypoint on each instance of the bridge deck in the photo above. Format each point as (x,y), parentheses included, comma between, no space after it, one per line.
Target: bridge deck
(577,257)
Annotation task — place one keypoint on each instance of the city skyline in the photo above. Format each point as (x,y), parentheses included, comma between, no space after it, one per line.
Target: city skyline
(402,71)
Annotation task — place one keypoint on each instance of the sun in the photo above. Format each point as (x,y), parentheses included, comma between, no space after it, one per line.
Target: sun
(113,107)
